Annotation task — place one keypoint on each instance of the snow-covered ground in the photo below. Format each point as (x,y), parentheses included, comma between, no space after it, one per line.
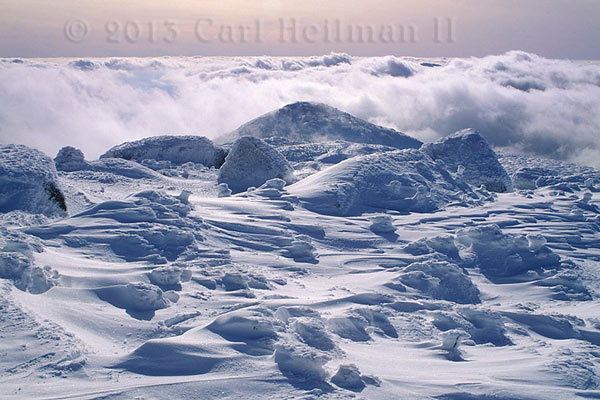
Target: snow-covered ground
(376,273)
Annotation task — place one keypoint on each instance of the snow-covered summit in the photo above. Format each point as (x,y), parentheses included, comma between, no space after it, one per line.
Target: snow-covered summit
(467,153)
(315,122)
(28,182)
(175,149)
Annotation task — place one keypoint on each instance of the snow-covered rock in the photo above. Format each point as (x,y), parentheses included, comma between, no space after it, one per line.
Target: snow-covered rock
(441,280)
(25,274)
(348,377)
(480,165)
(315,122)
(29,182)
(176,149)
(504,255)
(382,224)
(70,159)
(250,163)
(402,180)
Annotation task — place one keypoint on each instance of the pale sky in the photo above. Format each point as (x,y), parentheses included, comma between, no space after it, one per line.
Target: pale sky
(81,28)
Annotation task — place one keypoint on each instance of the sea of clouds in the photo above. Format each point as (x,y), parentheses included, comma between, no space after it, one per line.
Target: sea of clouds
(518,101)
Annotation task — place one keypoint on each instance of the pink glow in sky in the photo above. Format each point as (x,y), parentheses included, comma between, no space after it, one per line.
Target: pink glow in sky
(552,28)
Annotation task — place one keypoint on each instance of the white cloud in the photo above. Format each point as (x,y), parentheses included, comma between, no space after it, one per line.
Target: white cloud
(517,100)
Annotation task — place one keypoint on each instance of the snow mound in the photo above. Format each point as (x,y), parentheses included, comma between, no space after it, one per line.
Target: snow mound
(505,255)
(29,182)
(301,363)
(348,377)
(134,297)
(443,244)
(314,122)
(169,276)
(402,180)
(70,159)
(250,163)
(312,332)
(441,280)
(176,149)
(480,165)
(382,224)
(248,325)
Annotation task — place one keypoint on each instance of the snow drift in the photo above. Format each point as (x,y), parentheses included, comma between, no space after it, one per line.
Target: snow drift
(251,162)
(175,149)
(403,180)
(28,182)
(315,122)
(469,154)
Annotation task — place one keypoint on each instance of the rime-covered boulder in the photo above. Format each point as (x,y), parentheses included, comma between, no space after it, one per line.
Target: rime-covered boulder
(70,159)
(175,149)
(28,182)
(468,154)
(251,162)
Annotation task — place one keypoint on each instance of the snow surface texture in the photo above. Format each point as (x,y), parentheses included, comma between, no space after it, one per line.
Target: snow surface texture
(315,122)
(403,180)
(377,268)
(29,182)
(468,154)
(251,162)
(173,149)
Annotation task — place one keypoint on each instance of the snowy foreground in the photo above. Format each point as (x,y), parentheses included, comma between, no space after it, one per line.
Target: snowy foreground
(354,265)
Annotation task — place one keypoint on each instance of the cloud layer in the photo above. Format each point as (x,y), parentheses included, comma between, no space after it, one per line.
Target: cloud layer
(518,101)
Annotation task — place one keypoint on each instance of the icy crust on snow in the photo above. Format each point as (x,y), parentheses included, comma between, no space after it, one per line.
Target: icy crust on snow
(402,180)
(315,122)
(29,182)
(148,226)
(529,173)
(250,163)
(174,149)
(468,154)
